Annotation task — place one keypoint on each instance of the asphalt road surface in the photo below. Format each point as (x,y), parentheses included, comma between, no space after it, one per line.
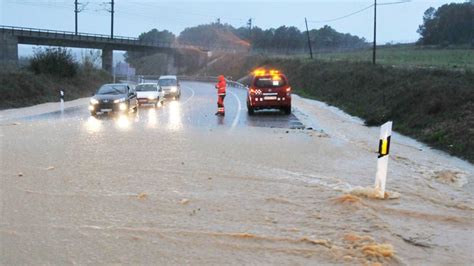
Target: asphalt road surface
(196,108)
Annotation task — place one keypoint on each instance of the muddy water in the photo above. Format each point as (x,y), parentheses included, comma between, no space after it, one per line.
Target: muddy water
(103,191)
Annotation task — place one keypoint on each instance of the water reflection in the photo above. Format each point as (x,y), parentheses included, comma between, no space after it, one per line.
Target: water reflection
(152,119)
(93,125)
(122,121)
(220,120)
(174,116)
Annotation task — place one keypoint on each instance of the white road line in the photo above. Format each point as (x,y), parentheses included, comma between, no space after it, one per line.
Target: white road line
(192,95)
(239,109)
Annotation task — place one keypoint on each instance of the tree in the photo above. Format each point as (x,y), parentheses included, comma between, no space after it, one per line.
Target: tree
(214,35)
(153,36)
(328,38)
(449,24)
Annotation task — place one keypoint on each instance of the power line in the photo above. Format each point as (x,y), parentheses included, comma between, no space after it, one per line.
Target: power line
(342,17)
(359,11)
(152,5)
(35,4)
(393,3)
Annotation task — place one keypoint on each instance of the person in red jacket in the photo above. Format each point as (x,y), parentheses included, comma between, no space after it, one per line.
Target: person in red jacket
(221,88)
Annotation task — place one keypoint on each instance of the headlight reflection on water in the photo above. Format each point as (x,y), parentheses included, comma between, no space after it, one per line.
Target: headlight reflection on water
(174,116)
(93,124)
(152,119)
(122,122)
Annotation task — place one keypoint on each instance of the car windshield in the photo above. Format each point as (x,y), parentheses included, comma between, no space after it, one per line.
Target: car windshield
(167,82)
(146,87)
(113,89)
(269,81)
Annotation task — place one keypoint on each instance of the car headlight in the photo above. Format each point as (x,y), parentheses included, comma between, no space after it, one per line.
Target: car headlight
(94,101)
(119,100)
(174,89)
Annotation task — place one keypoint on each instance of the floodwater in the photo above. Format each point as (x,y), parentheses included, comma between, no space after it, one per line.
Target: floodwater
(177,185)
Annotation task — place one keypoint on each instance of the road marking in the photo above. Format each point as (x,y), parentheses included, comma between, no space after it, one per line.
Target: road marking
(239,108)
(192,95)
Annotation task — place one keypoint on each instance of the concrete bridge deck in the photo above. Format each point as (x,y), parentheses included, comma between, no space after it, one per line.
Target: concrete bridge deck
(10,37)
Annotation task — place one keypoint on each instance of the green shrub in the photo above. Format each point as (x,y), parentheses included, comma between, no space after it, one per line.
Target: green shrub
(54,61)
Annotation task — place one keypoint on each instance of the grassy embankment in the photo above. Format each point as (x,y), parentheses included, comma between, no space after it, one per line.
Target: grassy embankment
(406,56)
(22,88)
(435,106)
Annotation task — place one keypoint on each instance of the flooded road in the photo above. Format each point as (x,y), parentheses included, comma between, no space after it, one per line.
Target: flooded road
(177,185)
(196,108)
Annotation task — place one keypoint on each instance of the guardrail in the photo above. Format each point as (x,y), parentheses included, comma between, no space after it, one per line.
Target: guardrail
(213,79)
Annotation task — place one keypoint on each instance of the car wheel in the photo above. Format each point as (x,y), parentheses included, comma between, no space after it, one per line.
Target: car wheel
(250,109)
(287,110)
(94,114)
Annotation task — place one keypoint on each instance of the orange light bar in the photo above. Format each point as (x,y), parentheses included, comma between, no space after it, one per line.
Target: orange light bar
(263,72)
(259,72)
(274,72)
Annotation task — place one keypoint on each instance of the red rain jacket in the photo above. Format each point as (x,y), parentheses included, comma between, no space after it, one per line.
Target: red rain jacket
(221,85)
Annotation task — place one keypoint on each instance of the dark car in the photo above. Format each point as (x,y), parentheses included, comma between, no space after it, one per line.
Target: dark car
(114,98)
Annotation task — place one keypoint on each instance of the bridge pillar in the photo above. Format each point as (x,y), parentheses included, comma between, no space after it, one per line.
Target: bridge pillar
(171,66)
(8,48)
(107,59)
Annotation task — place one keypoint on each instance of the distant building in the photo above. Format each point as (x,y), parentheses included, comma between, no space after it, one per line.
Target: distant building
(124,69)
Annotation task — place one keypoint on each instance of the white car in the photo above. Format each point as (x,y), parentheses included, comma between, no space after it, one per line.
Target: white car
(149,93)
(170,86)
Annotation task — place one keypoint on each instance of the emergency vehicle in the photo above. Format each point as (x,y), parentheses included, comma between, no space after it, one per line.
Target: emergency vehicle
(268,89)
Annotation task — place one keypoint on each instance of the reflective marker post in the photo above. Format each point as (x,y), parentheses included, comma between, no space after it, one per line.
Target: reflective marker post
(61,96)
(382,162)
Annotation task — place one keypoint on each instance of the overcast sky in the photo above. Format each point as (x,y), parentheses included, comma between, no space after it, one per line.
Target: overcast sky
(397,23)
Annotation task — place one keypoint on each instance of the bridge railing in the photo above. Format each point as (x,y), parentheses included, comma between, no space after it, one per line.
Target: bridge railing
(33,32)
(80,36)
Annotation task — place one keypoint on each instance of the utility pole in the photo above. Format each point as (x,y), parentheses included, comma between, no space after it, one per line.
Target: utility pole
(309,41)
(249,24)
(76,11)
(375,32)
(112,19)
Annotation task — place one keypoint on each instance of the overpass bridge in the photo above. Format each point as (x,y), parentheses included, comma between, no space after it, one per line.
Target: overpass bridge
(10,37)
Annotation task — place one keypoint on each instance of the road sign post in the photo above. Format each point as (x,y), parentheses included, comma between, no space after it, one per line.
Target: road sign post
(61,97)
(382,162)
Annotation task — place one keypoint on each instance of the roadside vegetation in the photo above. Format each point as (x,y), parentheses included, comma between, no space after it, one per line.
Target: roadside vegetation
(435,106)
(426,89)
(49,71)
(408,56)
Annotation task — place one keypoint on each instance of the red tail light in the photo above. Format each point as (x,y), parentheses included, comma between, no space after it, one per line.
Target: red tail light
(288,89)
(252,91)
